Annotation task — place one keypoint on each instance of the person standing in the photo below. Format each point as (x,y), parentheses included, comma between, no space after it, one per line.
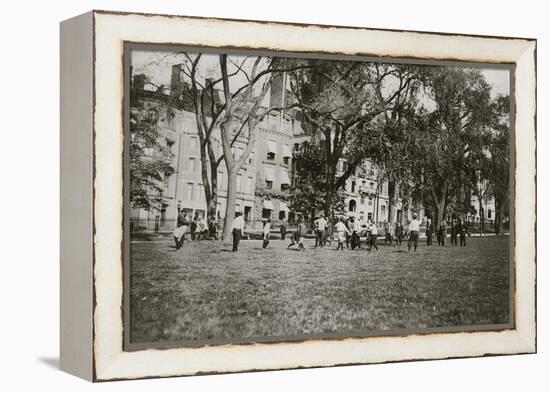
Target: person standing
(329,232)
(182,225)
(320,227)
(442,233)
(414,230)
(342,233)
(283,230)
(349,226)
(301,232)
(387,234)
(429,232)
(462,231)
(355,233)
(237,230)
(398,233)
(266,232)
(454,232)
(373,228)
(194,227)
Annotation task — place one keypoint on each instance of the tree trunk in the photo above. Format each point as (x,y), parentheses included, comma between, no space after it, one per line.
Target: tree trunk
(230,203)
(391,202)
(439,211)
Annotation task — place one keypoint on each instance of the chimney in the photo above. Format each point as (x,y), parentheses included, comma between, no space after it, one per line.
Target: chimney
(139,81)
(175,81)
(276,90)
(213,92)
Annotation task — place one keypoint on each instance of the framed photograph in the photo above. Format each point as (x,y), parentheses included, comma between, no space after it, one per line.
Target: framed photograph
(245,195)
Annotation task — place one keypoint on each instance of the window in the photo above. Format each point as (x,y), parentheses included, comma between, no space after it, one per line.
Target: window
(200,192)
(285,180)
(269,178)
(239,180)
(369,216)
(353,186)
(193,142)
(220,180)
(383,210)
(239,153)
(352,205)
(362,200)
(370,201)
(192,164)
(282,214)
(189,193)
(271,149)
(249,185)
(489,213)
(251,158)
(286,154)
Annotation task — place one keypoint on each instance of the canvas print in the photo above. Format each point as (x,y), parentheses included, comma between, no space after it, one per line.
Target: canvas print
(287,197)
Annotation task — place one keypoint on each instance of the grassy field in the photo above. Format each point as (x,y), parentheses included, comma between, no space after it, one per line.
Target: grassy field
(204,291)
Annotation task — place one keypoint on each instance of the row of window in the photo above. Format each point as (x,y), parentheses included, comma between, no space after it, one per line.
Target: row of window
(352,207)
(370,186)
(271,148)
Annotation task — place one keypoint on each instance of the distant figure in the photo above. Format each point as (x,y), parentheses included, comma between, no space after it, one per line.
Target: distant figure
(454,232)
(182,226)
(237,230)
(355,233)
(414,229)
(349,226)
(329,232)
(301,232)
(398,233)
(266,232)
(429,232)
(320,227)
(213,229)
(283,230)
(201,230)
(373,228)
(442,232)
(462,231)
(388,234)
(342,233)
(194,227)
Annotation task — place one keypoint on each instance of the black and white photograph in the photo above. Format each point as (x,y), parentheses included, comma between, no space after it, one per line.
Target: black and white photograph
(277,197)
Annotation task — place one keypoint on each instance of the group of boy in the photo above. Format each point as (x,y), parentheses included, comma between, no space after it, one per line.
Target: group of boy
(199,228)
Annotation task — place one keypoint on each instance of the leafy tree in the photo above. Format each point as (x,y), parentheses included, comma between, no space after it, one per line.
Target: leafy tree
(496,167)
(445,136)
(149,159)
(308,189)
(339,102)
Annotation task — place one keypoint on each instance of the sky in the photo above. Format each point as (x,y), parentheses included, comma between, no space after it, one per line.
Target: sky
(158,67)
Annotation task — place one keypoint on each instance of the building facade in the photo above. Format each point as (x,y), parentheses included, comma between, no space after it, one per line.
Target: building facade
(264,181)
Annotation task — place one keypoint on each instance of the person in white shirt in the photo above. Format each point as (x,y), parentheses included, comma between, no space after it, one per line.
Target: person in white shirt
(373,229)
(237,230)
(414,229)
(342,232)
(266,232)
(355,233)
(320,227)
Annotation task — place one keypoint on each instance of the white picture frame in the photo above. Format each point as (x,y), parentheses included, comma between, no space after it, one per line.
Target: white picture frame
(92,269)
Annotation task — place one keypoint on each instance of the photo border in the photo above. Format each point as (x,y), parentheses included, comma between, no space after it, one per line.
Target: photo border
(403,332)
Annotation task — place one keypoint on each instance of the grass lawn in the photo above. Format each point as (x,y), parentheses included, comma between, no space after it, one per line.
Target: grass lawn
(205,291)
